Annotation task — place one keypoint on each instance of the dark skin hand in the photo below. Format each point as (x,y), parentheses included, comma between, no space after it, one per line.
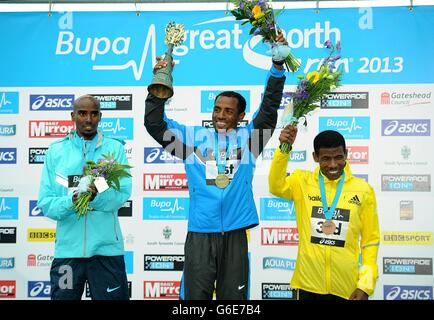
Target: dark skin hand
(359,295)
(288,134)
(92,189)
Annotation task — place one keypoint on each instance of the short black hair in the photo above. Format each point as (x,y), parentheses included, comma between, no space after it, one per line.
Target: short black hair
(328,139)
(241,106)
(94,100)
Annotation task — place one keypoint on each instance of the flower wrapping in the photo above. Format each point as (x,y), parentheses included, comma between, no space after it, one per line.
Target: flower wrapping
(106,167)
(311,88)
(262,19)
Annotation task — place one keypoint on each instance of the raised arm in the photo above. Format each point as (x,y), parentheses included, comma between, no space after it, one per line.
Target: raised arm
(168,133)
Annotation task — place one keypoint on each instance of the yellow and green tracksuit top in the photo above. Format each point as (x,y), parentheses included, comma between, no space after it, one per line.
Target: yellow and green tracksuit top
(328,264)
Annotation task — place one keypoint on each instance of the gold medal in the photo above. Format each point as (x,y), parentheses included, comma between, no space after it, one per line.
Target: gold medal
(328,227)
(221,181)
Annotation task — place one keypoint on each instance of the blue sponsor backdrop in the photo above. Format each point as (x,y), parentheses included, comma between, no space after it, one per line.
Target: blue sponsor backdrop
(120,47)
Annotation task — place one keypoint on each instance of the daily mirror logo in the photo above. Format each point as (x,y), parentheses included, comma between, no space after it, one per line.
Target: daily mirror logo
(9,102)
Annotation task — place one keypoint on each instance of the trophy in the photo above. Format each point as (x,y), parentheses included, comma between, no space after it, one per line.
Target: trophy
(161,85)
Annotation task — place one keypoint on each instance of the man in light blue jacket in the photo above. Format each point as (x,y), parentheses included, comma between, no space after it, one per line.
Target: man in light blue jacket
(90,248)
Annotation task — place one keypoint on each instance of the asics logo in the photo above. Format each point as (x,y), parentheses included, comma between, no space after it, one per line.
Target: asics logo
(112,289)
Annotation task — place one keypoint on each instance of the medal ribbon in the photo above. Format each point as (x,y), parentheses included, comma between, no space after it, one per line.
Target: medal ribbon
(221,165)
(328,212)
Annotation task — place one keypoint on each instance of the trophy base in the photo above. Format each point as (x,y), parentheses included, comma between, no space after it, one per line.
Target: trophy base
(160,90)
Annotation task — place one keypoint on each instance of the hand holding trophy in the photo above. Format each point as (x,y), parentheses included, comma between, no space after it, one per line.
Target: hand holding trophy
(161,85)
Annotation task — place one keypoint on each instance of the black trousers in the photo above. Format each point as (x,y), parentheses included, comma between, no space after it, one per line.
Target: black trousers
(106,276)
(216,261)
(307,295)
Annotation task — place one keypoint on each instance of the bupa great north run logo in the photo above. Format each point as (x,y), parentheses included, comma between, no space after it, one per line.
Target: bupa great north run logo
(349,127)
(277,209)
(118,128)
(9,102)
(8,155)
(51,102)
(165,208)
(8,208)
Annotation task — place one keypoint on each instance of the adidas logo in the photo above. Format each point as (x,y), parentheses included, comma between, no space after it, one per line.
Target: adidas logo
(355,200)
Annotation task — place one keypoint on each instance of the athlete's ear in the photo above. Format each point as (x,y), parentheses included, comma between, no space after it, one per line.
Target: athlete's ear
(315,157)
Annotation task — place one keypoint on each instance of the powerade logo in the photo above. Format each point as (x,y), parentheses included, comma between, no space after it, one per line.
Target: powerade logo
(159,155)
(165,208)
(398,265)
(350,127)
(277,209)
(114,101)
(8,208)
(8,234)
(51,102)
(7,130)
(39,289)
(278,263)
(406,182)
(207,98)
(164,262)
(126,210)
(34,210)
(209,124)
(37,155)
(9,102)
(407,293)
(345,100)
(118,128)
(406,127)
(129,261)
(7,263)
(294,156)
(278,291)
(8,155)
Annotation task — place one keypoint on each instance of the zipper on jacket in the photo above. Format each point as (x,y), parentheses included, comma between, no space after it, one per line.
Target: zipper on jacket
(85,235)
(114,226)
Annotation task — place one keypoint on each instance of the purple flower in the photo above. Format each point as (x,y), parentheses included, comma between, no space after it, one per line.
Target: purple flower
(338,46)
(328,44)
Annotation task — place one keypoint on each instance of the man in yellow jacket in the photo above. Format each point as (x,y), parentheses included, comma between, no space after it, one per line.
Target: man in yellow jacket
(337,219)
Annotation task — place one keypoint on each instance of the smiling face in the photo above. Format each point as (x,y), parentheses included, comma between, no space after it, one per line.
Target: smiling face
(331,161)
(86,116)
(225,114)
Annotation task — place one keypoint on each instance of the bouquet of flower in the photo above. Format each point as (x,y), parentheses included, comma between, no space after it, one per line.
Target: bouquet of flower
(261,16)
(107,170)
(311,88)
